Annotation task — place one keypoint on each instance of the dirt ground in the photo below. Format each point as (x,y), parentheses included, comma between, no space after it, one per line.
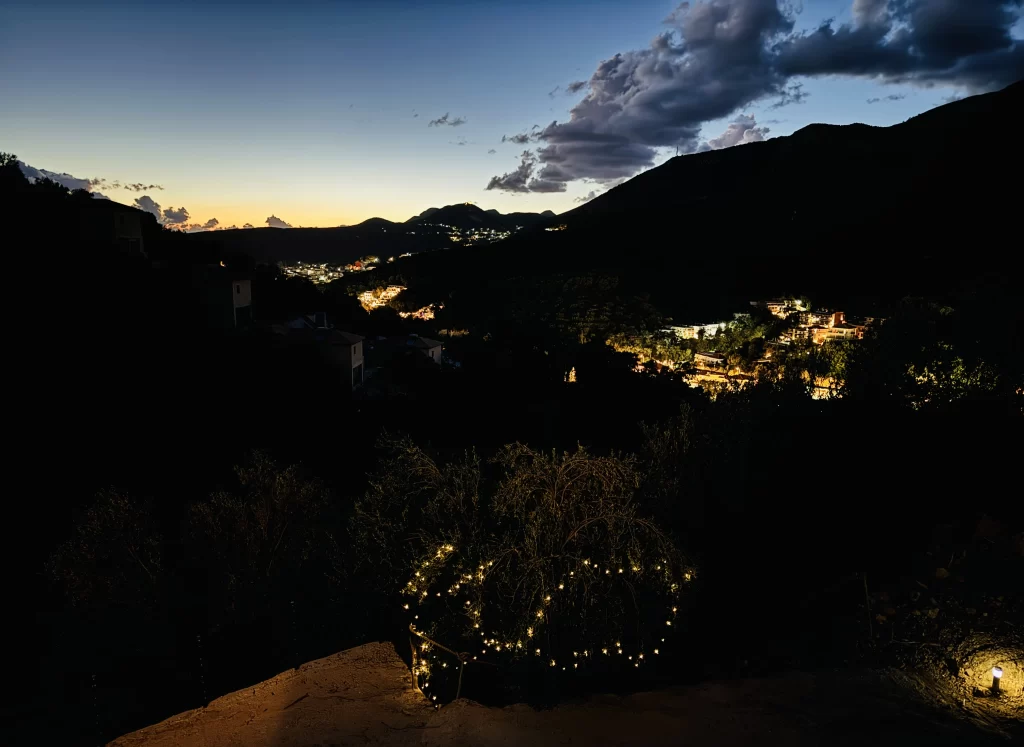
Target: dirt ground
(364,696)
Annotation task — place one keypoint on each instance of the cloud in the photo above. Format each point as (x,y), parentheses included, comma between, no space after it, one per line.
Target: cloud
(460,141)
(274,222)
(720,56)
(792,94)
(65,180)
(248,225)
(140,187)
(939,42)
(521,139)
(210,225)
(75,182)
(890,97)
(587,197)
(740,131)
(175,216)
(523,179)
(575,87)
(445,121)
(491,151)
(715,60)
(171,217)
(150,206)
(553,91)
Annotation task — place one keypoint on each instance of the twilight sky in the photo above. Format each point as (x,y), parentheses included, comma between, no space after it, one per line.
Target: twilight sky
(328,113)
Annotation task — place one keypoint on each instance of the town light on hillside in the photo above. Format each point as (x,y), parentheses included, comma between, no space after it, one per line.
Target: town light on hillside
(997,673)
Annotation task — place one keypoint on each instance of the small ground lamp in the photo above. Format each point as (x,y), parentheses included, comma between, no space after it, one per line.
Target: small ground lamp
(997,673)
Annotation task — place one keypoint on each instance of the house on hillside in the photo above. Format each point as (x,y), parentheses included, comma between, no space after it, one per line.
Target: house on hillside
(430,348)
(225,294)
(105,222)
(709,360)
(696,331)
(342,350)
(387,350)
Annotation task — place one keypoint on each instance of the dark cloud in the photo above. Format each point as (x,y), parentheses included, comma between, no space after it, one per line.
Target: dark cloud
(274,222)
(554,90)
(491,151)
(523,179)
(460,141)
(743,129)
(575,87)
(791,94)
(171,217)
(715,60)
(925,42)
(890,97)
(587,197)
(140,187)
(444,120)
(176,216)
(521,139)
(150,206)
(720,56)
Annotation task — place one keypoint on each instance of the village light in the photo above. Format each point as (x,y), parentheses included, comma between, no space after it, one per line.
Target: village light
(997,673)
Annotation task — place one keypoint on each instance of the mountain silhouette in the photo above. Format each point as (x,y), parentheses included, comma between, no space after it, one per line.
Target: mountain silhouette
(468,216)
(425,232)
(925,206)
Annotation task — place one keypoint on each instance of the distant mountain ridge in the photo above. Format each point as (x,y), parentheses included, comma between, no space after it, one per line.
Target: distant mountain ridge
(467,215)
(428,231)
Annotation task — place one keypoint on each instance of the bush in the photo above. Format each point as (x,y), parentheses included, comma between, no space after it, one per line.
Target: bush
(555,561)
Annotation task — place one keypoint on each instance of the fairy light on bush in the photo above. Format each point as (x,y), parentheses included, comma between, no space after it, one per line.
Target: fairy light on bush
(553,597)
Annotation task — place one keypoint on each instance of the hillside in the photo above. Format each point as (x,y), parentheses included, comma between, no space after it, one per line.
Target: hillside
(426,232)
(843,210)
(469,216)
(363,696)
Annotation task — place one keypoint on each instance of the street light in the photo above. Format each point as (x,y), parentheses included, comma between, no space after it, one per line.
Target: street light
(997,672)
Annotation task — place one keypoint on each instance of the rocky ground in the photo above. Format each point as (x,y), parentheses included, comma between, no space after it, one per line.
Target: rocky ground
(364,696)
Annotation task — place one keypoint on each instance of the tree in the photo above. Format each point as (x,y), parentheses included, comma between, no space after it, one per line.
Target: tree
(115,555)
(256,540)
(556,558)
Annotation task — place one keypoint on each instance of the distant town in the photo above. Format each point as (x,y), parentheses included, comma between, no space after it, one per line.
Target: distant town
(737,351)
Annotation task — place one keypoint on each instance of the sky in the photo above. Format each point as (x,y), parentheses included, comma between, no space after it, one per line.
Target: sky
(304,113)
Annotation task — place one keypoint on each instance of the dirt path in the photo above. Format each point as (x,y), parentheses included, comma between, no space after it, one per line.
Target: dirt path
(363,696)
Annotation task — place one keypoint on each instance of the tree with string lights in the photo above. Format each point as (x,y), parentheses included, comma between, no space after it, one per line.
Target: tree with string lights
(551,561)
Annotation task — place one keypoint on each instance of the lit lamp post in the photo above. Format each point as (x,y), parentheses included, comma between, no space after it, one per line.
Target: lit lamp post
(997,673)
